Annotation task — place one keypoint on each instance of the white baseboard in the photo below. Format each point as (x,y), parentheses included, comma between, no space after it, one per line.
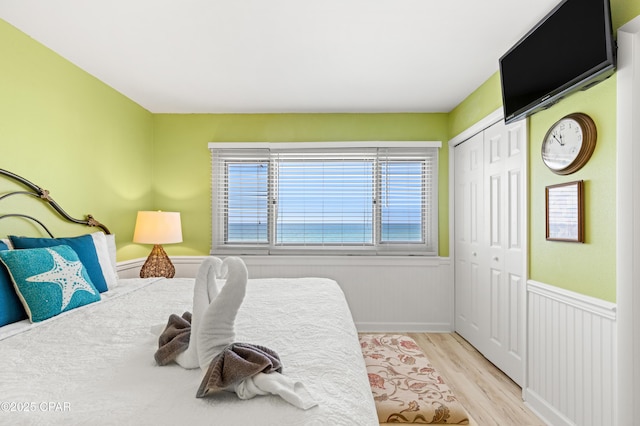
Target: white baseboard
(544,411)
(397,327)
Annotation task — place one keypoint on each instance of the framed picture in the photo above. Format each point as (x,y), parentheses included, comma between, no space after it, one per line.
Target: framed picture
(565,212)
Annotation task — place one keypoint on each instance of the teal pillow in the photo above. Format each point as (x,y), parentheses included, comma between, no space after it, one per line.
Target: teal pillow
(49,280)
(11,309)
(92,250)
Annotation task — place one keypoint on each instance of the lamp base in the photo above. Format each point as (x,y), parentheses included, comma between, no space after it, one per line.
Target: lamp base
(157,264)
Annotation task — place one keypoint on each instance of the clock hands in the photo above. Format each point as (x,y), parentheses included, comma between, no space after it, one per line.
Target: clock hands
(558,140)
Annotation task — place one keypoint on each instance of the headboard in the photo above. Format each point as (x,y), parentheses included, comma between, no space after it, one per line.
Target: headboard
(34,190)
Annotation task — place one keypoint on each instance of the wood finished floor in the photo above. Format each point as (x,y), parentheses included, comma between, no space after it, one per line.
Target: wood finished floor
(488,395)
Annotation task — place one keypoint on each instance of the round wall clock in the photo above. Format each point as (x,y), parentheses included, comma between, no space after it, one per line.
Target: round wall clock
(569,143)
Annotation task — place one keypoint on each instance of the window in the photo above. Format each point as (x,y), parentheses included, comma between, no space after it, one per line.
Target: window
(366,197)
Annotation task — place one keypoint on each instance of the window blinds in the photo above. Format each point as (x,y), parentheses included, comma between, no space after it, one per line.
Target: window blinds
(354,198)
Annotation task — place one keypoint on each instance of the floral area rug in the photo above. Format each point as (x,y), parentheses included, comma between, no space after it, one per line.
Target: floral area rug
(406,388)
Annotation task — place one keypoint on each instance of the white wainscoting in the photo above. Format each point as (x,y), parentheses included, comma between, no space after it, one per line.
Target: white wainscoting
(385,293)
(571,357)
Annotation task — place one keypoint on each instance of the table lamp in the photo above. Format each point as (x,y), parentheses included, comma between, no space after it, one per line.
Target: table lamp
(157,227)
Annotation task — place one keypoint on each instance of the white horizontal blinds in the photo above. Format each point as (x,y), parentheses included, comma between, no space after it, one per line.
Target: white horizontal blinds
(406,183)
(278,197)
(241,196)
(324,197)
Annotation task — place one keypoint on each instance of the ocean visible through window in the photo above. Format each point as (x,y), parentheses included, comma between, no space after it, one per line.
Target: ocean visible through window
(325,199)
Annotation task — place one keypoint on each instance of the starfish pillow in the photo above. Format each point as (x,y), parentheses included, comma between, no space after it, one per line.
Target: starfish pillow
(49,280)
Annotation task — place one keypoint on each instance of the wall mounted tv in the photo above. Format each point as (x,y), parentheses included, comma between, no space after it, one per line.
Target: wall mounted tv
(572,48)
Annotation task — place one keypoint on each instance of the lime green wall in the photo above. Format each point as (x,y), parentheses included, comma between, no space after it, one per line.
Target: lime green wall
(622,11)
(483,101)
(183,170)
(70,133)
(584,268)
(95,149)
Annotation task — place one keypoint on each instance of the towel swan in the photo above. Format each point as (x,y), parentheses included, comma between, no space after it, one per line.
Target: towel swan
(204,292)
(216,329)
(212,320)
(213,329)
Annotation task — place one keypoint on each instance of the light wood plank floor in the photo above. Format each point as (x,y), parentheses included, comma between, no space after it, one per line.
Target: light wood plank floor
(488,395)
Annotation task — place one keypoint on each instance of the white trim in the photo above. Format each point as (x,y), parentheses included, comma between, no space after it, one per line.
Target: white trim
(628,223)
(360,261)
(325,144)
(478,127)
(542,409)
(580,301)
(334,260)
(423,151)
(186,266)
(571,356)
(129,268)
(402,327)
(371,285)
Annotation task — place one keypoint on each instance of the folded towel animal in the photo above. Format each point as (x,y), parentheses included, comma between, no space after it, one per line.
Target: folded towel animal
(235,363)
(207,338)
(205,291)
(291,391)
(174,340)
(217,324)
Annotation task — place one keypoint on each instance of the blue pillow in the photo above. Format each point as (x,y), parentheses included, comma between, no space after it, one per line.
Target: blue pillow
(49,280)
(92,251)
(11,309)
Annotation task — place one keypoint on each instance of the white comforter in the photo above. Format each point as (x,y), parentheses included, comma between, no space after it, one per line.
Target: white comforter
(95,365)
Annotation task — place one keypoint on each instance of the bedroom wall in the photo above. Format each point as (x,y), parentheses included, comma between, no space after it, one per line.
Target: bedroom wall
(572,315)
(68,132)
(385,293)
(183,168)
(589,268)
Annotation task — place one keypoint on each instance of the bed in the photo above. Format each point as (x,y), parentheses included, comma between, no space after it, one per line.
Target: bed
(95,363)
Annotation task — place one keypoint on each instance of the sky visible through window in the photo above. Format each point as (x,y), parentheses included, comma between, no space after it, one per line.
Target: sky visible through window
(326,202)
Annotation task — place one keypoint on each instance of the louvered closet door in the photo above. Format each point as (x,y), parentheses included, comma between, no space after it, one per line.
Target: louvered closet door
(490,259)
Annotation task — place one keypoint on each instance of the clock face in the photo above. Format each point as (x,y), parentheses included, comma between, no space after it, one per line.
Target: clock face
(562,144)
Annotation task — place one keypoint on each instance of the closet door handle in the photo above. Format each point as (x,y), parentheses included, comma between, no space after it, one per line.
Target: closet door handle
(495,258)
(474,254)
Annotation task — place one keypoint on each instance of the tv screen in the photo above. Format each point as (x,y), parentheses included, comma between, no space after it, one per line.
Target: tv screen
(572,48)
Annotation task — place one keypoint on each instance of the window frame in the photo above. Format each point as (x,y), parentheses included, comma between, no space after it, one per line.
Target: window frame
(266,151)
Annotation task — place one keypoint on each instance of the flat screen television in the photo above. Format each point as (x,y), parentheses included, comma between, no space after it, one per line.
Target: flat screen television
(572,48)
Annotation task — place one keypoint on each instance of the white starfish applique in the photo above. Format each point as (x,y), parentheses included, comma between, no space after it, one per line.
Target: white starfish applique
(67,274)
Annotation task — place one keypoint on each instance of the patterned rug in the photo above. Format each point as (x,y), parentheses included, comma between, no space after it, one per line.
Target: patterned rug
(406,388)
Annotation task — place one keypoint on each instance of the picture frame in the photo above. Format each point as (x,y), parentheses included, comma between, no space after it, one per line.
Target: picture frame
(565,212)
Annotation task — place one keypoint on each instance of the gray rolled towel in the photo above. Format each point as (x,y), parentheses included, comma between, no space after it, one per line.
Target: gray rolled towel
(174,339)
(236,362)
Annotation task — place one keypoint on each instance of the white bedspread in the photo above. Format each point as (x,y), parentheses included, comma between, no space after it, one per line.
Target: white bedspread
(95,365)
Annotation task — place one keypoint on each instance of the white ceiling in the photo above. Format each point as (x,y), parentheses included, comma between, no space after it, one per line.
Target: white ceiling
(214,56)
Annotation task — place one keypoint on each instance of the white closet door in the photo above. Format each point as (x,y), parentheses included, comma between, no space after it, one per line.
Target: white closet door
(504,182)
(470,255)
(490,280)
